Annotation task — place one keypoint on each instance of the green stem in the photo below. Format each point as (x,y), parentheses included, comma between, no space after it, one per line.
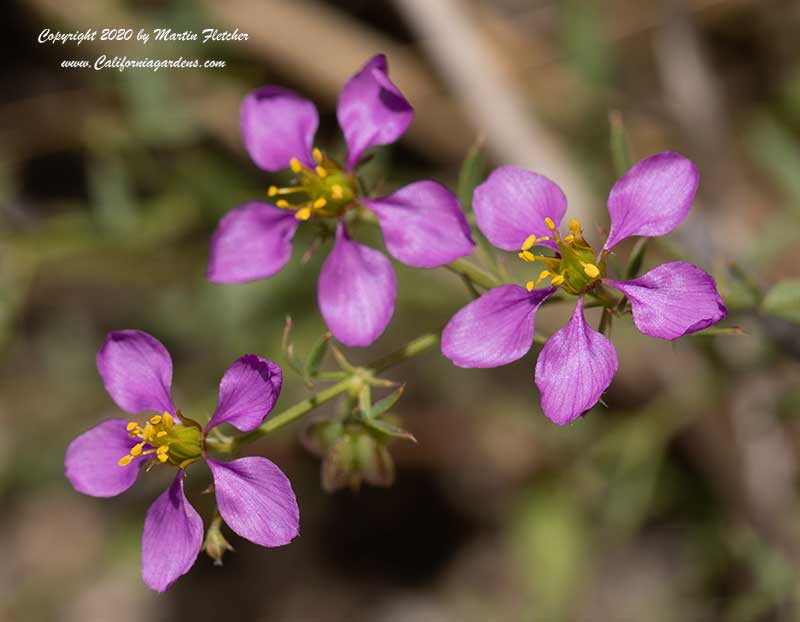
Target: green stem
(472,272)
(412,348)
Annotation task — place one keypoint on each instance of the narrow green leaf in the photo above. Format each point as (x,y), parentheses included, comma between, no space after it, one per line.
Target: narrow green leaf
(471,174)
(783,300)
(383,405)
(620,149)
(316,357)
(288,349)
(636,259)
(715,331)
(365,398)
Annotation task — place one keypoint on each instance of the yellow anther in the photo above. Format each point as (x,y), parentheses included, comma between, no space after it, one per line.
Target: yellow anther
(550,224)
(320,203)
(125,460)
(272,191)
(162,458)
(304,213)
(164,449)
(544,274)
(530,285)
(282,203)
(161,434)
(591,270)
(136,450)
(557,280)
(569,239)
(149,432)
(526,256)
(529,242)
(321,171)
(132,425)
(168,420)
(318,157)
(336,192)
(155,419)
(575,226)
(296,166)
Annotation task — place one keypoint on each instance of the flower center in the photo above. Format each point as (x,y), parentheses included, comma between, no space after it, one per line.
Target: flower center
(167,442)
(576,270)
(325,190)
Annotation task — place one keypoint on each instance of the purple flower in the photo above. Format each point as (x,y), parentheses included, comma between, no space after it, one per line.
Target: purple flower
(517,210)
(422,223)
(254,497)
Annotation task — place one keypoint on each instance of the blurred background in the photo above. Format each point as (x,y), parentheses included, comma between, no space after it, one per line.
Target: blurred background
(678,501)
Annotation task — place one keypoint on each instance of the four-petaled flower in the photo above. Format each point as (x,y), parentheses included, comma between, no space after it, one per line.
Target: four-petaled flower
(517,210)
(253,495)
(422,223)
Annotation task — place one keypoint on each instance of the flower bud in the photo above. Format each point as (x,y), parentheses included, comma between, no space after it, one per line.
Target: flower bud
(356,457)
(215,544)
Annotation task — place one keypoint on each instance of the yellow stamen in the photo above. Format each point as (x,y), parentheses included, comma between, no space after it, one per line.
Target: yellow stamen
(164,449)
(162,458)
(168,420)
(526,256)
(161,434)
(557,280)
(149,432)
(318,157)
(125,460)
(155,419)
(591,270)
(321,171)
(575,226)
(304,213)
(136,450)
(569,239)
(530,285)
(529,242)
(320,203)
(132,425)
(336,192)
(550,224)
(282,203)
(272,191)
(294,163)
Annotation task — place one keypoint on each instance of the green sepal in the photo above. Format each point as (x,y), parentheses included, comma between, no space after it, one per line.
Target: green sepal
(315,358)
(287,347)
(388,429)
(383,405)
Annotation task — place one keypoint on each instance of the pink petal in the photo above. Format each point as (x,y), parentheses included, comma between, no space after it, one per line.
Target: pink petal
(652,198)
(256,500)
(247,393)
(91,460)
(423,225)
(574,368)
(673,300)
(513,204)
(137,371)
(356,291)
(278,125)
(172,537)
(253,241)
(372,111)
(496,329)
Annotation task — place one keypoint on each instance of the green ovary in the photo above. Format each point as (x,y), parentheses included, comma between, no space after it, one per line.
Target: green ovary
(576,270)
